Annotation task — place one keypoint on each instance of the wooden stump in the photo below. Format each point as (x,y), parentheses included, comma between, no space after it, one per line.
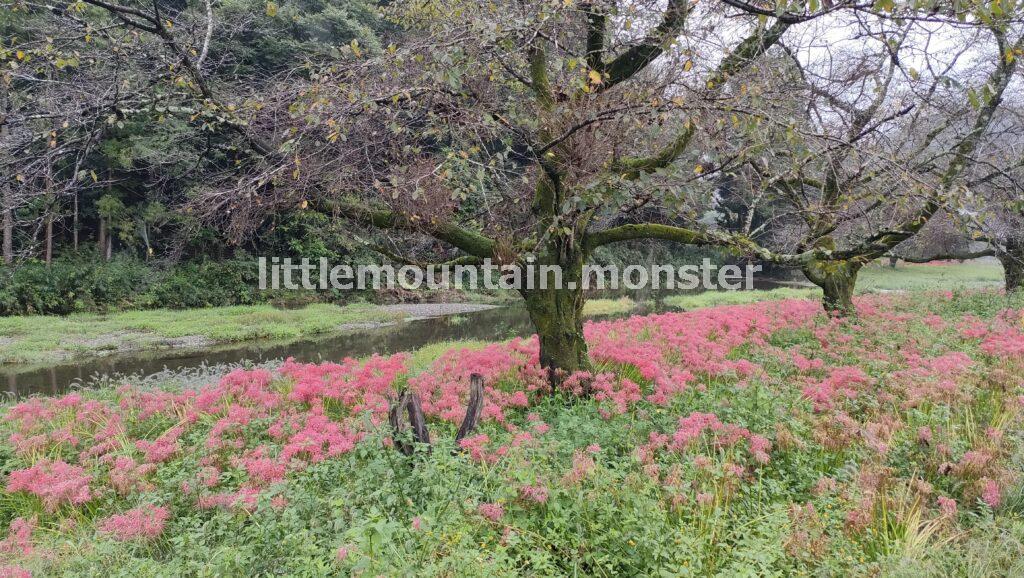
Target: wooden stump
(406,414)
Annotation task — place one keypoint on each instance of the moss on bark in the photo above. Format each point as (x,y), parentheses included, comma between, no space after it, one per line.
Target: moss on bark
(1013,265)
(557,315)
(837,280)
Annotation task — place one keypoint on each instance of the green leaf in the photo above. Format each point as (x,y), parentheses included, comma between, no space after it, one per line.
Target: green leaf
(885,5)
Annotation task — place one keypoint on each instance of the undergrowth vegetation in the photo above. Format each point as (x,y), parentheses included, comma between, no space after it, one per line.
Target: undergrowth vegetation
(744,440)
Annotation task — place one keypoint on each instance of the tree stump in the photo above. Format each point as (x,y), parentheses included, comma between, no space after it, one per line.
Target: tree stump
(406,414)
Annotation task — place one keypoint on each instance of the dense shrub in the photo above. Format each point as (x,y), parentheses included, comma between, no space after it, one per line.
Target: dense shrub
(206,284)
(79,283)
(72,284)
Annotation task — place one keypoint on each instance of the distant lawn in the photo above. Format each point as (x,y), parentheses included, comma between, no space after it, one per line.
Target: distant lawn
(716,298)
(36,339)
(595,307)
(872,279)
(910,277)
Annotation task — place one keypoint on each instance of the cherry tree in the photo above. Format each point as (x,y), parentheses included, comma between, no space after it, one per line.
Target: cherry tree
(856,159)
(513,132)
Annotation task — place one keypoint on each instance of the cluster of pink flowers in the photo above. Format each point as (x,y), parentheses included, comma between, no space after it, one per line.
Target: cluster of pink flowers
(991,493)
(491,511)
(56,482)
(476,447)
(1001,337)
(669,350)
(319,438)
(510,371)
(43,425)
(238,406)
(14,572)
(246,498)
(263,470)
(583,465)
(537,494)
(19,539)
(144,522)
(842,382)
(126,476)
(947,506)
(253,428)
(706,426)
(163,447)
(358,386)
(614,392)
(1006,343)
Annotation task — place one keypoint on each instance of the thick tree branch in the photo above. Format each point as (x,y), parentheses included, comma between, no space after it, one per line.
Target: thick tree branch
(633,168)
(746,52)
(636,58)
(965,256)
(463,260)
(738,243)
(787,17)
(468,241)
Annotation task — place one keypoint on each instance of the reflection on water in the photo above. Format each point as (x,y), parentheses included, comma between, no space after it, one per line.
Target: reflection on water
(489,325)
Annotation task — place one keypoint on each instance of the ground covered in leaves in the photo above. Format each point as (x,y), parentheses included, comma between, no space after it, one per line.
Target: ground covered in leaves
(747,440)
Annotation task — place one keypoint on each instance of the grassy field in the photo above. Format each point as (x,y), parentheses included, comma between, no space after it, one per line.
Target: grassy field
(907,277)
(716,298)
(875,278)
(48,338)
(746,440)
(597,307)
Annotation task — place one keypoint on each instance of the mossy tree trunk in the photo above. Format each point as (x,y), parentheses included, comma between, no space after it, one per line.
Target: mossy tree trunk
(837,280)
(557,316)
(1013,265)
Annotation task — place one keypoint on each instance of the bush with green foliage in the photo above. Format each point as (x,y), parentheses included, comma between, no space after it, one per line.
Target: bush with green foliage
(72,284)
(78,283)
(206,284)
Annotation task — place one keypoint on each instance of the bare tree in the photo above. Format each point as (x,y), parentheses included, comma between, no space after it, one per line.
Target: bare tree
(871,151)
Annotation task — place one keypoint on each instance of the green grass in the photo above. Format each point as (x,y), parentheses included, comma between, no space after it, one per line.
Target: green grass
(37,339)
(595,307)
(717,298)
(874,278)
(906,277)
